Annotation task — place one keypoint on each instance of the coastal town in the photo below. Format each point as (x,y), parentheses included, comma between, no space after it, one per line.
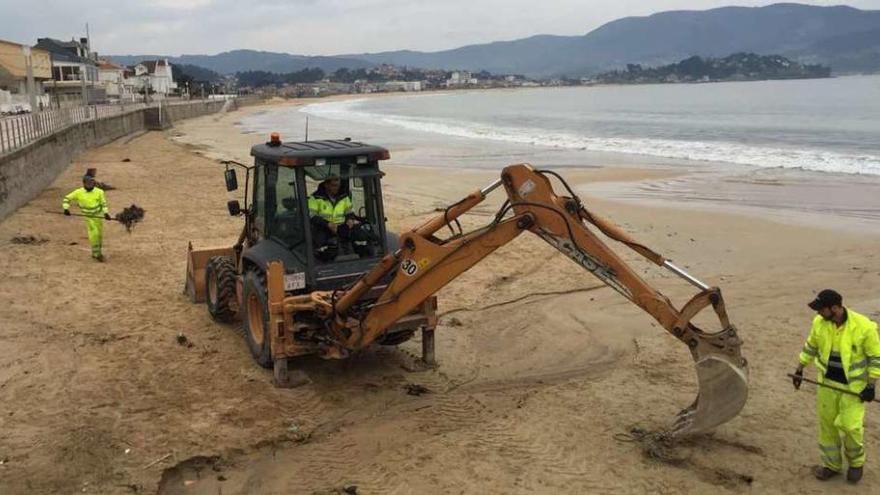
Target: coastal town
(58,74)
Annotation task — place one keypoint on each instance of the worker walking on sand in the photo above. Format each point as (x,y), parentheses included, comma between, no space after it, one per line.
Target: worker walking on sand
(845,347)
(93,205)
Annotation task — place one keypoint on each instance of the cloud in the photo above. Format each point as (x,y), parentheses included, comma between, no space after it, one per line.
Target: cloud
(181,5)
(320,27)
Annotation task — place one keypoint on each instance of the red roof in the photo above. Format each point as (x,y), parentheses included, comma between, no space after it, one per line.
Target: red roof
(104,64)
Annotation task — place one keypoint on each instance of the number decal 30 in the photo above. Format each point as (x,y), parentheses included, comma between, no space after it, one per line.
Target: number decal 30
(409,267)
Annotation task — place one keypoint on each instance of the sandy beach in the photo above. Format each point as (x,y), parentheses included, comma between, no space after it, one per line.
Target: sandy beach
(540,366)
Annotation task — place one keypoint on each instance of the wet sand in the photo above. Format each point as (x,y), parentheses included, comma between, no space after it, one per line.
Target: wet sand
(837,201)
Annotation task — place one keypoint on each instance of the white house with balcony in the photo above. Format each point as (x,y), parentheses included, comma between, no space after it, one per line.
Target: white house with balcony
(74,72)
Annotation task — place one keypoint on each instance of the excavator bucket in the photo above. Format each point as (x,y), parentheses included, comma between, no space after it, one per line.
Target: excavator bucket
(723,392)
(722,372)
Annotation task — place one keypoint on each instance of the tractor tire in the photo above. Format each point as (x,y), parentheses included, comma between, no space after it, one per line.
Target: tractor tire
(220,279)
(255,317)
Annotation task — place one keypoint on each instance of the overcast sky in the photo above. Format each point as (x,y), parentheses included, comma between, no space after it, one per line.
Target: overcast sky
(322,27)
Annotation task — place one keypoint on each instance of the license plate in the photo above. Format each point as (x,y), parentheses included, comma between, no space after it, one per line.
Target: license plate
(294,281)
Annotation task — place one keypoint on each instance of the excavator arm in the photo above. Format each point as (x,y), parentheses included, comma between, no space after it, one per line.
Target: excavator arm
(425,263)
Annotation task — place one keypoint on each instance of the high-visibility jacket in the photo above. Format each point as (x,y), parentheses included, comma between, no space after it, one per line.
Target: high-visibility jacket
(91,203)
(321,207)
(859,348)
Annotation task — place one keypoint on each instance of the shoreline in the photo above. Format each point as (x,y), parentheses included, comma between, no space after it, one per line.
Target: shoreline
(684,184)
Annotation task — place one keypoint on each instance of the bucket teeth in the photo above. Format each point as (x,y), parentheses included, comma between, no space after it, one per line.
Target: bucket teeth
(723,393)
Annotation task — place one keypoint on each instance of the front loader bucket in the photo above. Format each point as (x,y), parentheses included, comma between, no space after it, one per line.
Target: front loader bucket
(196,260)
(724,389)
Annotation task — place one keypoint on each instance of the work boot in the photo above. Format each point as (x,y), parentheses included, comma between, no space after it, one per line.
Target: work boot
(854,474)
(823,473)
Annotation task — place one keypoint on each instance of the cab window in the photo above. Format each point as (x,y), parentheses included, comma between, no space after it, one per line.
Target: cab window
(287,219)
(258,205)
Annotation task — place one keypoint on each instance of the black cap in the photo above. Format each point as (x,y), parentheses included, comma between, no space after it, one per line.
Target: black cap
(826,299)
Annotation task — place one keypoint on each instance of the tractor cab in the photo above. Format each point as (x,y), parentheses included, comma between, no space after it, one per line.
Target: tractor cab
(284,191)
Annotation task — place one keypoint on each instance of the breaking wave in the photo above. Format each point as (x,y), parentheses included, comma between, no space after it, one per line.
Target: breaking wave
(726,152)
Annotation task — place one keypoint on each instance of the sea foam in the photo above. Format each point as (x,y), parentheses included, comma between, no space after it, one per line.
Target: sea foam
(710,151)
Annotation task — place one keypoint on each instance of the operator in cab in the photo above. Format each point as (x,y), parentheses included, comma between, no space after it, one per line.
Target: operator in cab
(335,227)
(331,217)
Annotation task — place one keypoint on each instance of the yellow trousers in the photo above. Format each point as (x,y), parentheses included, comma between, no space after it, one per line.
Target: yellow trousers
(841,419)
(95,228)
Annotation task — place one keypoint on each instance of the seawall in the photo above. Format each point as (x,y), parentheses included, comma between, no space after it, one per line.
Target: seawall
(28,170)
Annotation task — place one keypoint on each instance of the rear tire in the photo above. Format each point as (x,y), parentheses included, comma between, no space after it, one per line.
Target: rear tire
(220,279)
(255,316)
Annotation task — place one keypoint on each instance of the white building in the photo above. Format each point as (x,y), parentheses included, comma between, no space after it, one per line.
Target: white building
(458,78)
(402,86)
(154,76)
(112,78)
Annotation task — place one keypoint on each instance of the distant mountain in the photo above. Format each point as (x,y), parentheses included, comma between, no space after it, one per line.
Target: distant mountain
(537,55)
(855,52)
(845,38)
(245,60)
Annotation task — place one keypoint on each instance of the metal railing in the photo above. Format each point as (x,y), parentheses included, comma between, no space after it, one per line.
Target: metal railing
(17,131)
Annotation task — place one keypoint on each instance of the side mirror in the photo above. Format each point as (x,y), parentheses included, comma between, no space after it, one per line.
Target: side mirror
(234,207)
(231,180)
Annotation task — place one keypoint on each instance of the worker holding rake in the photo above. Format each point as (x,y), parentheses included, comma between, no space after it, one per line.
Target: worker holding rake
(93,205)
(845,348)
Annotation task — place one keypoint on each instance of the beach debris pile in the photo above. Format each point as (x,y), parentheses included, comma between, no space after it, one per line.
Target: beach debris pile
(28,240)
(183,340)
(416,389)
(655,445)
(130,216)
(344,490)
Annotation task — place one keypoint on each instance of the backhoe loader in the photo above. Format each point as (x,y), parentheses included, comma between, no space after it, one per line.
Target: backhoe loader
(292,303)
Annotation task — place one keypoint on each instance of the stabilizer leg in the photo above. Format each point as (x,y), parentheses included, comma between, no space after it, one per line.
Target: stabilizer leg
(287,378)
(428,346)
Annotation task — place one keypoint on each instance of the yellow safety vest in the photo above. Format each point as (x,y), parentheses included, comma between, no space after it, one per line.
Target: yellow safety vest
(328,210)
(91,203)
(858,345)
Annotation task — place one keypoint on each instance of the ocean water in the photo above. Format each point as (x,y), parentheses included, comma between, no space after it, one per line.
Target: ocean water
(825,125)
(781,147)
